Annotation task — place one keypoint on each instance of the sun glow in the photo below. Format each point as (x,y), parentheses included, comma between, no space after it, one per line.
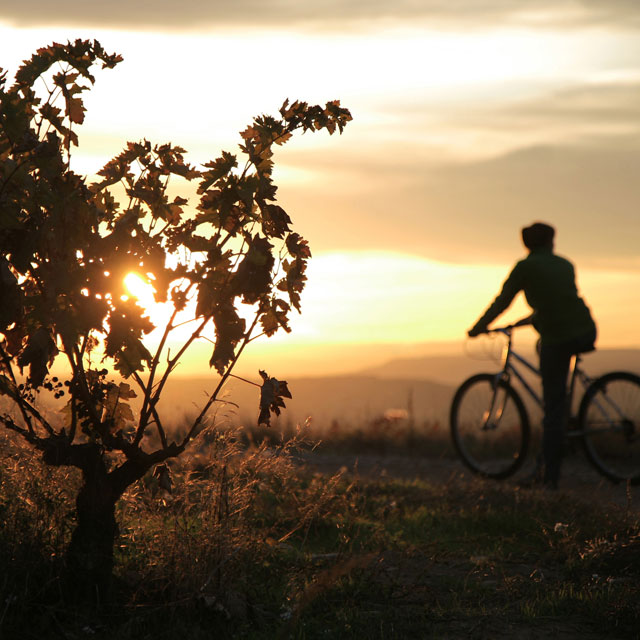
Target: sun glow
(143,292)
(161,314)
(367,297)
(139,289)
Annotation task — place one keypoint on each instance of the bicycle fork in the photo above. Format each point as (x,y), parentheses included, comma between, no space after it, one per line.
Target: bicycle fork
(496,406)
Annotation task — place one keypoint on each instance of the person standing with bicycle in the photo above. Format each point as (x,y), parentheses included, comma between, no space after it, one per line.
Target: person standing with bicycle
(564,323)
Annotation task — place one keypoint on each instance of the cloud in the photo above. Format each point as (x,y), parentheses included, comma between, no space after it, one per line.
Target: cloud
(470,212)
(590,192)
(579,110)
(426,133)
(324,14)
(570,156)
(587,104)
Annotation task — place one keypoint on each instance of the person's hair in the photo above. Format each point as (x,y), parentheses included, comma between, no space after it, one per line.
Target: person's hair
(538,235)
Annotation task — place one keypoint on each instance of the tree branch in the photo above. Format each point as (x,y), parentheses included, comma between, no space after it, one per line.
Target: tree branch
(146,408)
(221,383)
(161,432)
(79,374)
(29,436)
(26,408)
(131,470)
(155,397)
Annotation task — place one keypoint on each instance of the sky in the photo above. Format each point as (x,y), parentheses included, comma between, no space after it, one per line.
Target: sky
(471,120)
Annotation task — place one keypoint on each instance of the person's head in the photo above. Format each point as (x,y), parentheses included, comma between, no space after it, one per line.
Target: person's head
(538,235)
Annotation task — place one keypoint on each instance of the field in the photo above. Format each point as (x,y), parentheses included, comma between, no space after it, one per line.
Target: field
(265,539)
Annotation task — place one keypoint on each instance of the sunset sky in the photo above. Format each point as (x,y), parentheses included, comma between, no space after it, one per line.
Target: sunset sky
(471,119)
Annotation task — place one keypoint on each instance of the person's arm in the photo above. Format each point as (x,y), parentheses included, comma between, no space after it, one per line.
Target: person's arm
(510,288)
(523,322)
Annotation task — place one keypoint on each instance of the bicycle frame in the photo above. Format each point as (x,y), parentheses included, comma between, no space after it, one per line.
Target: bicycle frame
(509,369)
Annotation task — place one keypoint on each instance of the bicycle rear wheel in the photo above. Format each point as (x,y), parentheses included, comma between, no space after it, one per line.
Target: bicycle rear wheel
(610,421)
(489,426)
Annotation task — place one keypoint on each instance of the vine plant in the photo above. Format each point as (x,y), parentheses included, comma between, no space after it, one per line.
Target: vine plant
(231,263)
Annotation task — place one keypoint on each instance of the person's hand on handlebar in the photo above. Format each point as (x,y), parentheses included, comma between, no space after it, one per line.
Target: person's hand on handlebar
(479,329)
(476,331)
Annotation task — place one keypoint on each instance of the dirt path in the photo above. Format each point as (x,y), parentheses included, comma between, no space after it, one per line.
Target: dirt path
(579,478)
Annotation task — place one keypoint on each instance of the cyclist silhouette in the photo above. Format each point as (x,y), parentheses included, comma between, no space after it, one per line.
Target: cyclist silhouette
(565,326)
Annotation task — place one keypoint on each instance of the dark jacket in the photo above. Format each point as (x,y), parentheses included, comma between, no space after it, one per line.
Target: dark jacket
(549,285)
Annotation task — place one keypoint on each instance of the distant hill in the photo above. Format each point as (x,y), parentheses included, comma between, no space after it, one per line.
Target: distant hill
(454,369)
(350,400)
(423,386)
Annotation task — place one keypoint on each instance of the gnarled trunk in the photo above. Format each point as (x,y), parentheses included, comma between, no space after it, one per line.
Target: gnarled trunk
(90,553)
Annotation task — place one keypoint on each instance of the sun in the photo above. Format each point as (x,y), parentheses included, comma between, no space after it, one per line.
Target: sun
(140,290)
(161,314)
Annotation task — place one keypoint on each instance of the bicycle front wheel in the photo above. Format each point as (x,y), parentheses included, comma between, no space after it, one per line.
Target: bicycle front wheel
(489,426)
(610,421)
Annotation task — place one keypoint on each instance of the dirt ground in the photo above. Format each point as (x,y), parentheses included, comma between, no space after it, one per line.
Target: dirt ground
(579,478)
(418,580)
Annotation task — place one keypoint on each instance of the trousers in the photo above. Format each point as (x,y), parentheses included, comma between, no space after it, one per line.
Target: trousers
(554,370)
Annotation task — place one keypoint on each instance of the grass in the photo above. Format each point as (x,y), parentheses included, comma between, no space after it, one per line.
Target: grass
(251,545)
(383,434)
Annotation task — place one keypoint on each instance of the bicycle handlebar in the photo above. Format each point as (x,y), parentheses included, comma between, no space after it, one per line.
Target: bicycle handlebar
(523,322)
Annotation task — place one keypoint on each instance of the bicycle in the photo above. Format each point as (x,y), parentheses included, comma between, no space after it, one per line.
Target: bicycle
(491,430)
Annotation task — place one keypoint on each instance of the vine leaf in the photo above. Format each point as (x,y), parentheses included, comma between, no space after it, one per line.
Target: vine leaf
(274,316)
(163,475)
(271,393)
(116,407)
(275,221)
(230,329)
(253,277)
(38,355)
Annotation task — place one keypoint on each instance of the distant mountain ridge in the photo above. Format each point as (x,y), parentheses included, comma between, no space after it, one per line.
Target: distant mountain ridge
(452,369)
(422,386)
(350,399)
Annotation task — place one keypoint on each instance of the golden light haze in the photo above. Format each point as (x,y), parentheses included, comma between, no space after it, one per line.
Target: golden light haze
(467,126)
(407,301)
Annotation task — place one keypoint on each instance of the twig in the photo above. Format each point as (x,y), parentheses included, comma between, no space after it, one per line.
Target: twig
(255,384)
(223,379)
